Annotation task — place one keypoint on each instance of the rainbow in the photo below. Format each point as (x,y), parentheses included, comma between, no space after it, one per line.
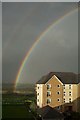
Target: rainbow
(25,59)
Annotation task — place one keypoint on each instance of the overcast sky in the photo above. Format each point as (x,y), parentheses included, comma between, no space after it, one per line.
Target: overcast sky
(22,23)
(40,0)
(0,43)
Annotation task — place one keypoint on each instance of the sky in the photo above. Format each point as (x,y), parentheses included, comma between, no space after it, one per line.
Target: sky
(40,0)
(0,44)
(57,49)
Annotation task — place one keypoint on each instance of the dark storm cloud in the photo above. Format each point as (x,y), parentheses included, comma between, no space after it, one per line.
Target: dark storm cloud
(57,50)
(22,24)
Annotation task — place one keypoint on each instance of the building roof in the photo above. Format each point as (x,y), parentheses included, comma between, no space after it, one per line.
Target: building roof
(49,112)
(64,77)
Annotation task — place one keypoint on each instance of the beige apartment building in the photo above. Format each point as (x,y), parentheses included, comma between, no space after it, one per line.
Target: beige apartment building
(60,90)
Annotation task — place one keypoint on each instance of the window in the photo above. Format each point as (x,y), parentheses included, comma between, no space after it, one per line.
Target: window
(38,87)
(58,107)
(58,92)
(38,100)
(70,93)
(64,93)
(64,86)
(69,86)
(48,86)
(48,93)
(58,99)
(64,100)
(48,100)
(38,94)
(58,86)
(40,116)
(70,100)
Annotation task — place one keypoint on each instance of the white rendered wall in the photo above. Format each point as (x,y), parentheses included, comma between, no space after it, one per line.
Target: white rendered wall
(73,90)
(40,96)
(67,90)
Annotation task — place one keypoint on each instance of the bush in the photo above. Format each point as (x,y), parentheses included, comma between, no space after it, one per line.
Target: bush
(33,106)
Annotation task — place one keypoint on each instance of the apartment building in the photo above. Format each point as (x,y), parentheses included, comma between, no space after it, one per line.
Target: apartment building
(60,90)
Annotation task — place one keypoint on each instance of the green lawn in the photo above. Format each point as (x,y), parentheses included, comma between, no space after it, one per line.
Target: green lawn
(14,106)
(16,111)
(16,98)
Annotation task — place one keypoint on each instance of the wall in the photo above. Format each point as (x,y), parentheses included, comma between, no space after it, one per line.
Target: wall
(79,97)
(39,93)
(54,82)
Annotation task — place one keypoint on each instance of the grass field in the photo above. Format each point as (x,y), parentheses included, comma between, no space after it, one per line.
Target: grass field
(16,98)
(14,106)
(16,111)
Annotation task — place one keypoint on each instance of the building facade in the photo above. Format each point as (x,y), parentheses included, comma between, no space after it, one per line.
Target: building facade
(58,90)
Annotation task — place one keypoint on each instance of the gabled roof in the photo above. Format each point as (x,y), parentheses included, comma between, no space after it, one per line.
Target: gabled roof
(49,112)
(64,77)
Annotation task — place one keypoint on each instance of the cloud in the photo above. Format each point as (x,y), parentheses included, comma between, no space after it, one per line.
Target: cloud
(56,51)
(40,1)
(22,25)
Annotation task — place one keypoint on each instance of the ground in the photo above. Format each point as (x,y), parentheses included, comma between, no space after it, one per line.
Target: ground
(14,106)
